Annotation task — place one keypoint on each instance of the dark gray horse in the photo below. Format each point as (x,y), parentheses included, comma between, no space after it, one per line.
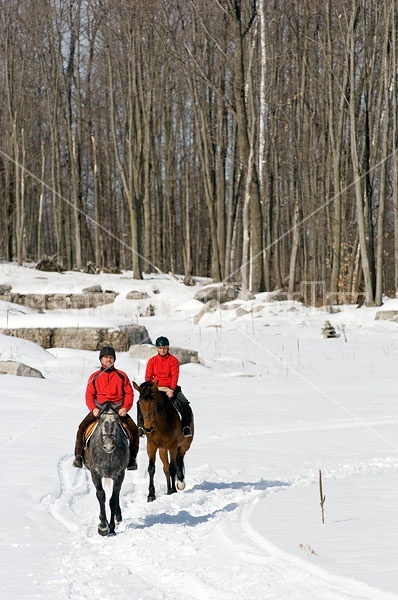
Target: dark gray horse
(107,456)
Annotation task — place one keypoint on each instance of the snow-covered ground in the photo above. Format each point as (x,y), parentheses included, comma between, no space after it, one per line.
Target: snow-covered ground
(274,403)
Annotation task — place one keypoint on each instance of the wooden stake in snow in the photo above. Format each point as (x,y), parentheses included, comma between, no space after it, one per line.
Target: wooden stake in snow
(322,497)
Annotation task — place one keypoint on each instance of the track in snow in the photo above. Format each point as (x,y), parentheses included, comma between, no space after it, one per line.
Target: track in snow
(200,544)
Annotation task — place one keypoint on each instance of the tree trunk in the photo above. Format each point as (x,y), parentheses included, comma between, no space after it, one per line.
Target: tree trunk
(240,81)
(359,191)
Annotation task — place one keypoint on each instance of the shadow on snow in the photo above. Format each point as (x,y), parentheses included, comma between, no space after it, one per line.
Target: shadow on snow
(261,485)
(183,517)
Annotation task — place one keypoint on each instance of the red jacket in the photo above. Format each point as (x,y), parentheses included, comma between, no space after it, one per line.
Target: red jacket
(109,384)
(164,370)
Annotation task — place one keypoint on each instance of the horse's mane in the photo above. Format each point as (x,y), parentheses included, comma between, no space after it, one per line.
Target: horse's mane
(148,389)
(109,406)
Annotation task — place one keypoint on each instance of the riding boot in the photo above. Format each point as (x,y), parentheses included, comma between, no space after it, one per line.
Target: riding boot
(182,404)
(140,422)
(134,443)
(132,466)
(78,462)
(186,421)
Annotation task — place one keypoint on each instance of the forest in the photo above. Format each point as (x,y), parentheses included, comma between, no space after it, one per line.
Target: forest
(247,141)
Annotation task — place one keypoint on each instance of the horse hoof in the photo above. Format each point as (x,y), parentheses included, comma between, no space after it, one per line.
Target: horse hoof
(151,498)
(181,485)
(103,530)
(111,533)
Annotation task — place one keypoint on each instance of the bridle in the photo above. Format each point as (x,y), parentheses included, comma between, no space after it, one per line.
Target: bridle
(109,427)
(150,414)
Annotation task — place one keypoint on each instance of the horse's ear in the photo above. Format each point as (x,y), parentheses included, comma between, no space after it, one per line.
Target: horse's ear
(155,385)
(137,387)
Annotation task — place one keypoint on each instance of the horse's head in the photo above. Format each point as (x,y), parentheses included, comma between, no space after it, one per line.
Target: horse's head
(109,422)
(146,390)
(147,402)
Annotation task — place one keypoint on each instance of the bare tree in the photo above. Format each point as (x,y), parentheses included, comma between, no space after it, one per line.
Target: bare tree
(226,138)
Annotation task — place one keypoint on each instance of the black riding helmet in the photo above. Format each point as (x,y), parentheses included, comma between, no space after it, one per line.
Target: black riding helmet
(162,341)
(107,350)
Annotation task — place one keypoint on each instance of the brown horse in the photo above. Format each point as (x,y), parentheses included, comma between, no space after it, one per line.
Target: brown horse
(162,425)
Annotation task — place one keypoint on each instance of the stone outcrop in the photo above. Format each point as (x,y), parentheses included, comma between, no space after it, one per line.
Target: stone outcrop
(184,356)
(328,331)
(387,315)
(41,302)
(209,307)
(92,289)
(12,367)
(83,338)
(219,292)
(137,295)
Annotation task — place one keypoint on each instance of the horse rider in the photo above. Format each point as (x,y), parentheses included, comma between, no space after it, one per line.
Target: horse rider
(164,369)
(108,385)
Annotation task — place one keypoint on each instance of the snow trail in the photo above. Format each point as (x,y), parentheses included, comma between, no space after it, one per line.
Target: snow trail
(199,544)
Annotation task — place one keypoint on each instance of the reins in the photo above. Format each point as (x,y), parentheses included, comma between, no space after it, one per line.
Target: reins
(108,408)
(158,406)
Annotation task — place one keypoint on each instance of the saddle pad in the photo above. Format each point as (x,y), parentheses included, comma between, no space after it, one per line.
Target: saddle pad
(91,428)
(167,389)
(126,431)
(89,431)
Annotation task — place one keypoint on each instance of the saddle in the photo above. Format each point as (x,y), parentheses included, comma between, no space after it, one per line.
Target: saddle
(89,432)
(92,427)
(173,400)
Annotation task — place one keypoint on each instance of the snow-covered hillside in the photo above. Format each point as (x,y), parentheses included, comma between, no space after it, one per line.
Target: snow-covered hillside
(274,403)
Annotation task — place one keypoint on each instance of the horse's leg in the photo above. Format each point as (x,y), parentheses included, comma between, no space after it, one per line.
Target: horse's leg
(103,527)
(151,450)
(116,513)
(173,467)
(169,467)
(180,470)
(164,457)
(182,450)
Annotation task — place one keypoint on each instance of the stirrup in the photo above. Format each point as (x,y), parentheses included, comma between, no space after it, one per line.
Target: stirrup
(141,431)
(187,431)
